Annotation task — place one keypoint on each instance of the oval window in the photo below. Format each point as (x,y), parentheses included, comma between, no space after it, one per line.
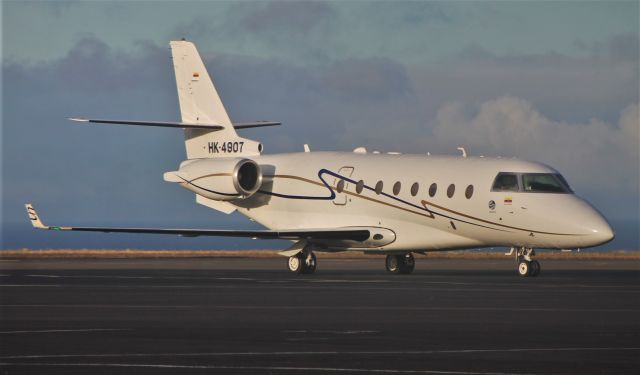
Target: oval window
(414,189)
(469,192)
(379,186)
(433,189)
(396,188)
(340,186)
(451,190)
(359,186)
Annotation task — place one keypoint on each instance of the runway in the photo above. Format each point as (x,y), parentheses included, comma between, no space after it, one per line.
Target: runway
(251,316)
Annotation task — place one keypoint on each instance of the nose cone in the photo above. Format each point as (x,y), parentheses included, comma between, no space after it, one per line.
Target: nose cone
(601,231)
(584,225)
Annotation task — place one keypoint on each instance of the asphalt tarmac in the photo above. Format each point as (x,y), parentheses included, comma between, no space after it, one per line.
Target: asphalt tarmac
(251,316)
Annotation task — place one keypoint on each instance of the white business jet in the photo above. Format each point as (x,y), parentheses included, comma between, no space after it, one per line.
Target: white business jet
(377,203)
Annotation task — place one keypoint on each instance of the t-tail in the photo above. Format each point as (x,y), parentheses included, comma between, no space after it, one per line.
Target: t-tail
(208,130)
(201,104)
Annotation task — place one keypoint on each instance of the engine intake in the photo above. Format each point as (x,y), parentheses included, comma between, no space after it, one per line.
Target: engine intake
(225,180)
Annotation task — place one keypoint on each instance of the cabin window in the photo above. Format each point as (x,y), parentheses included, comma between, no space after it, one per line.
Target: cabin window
(433,189)
(506,182)
(414,189)
(469,192)
(545,183)
(396,188)
(340,186)
(451,190)
(359,186)
(379,187)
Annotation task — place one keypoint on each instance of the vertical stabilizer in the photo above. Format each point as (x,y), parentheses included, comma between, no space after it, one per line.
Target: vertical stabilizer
(201,104)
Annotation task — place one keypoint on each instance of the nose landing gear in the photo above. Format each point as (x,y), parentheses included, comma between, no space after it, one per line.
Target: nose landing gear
(527,267)
(400,263)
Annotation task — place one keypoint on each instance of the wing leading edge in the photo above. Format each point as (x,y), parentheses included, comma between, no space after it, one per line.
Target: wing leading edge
(348,234)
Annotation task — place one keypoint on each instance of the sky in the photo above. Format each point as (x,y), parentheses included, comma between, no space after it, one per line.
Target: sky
(550,81)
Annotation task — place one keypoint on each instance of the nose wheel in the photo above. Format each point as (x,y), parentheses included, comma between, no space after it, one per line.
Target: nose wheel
(303,263)
(400,263)
(527,267)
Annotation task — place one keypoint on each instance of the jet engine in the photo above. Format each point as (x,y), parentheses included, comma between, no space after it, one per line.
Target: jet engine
(218,179)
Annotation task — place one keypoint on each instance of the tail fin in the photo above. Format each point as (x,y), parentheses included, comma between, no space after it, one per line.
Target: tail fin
(201,104)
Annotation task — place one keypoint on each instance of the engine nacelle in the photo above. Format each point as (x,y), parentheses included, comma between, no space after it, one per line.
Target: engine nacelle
(219,179)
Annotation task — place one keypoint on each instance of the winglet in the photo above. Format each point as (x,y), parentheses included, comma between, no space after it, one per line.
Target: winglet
(35,219)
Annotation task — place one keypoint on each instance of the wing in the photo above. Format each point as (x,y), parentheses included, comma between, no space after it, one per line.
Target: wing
(348,234)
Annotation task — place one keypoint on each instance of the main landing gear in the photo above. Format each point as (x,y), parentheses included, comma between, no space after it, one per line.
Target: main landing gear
(304,262)
(400,263)
(527,266)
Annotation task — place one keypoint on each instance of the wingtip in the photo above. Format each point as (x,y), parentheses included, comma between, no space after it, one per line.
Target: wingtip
(33,216)
(77,119)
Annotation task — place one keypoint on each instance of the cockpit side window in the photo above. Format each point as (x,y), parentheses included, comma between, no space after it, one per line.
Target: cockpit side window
(506,182)
(545,183)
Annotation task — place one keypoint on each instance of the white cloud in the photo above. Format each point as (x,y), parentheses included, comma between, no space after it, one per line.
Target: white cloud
(594,155)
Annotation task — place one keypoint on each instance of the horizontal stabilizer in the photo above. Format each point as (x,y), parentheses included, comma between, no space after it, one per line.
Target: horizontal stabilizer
(256,124)
(178,125)
(347,234)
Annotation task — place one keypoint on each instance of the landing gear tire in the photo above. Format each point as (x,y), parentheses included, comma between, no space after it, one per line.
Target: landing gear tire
(535,268)
(392,263)
(309,263)
(527,266)
(524,268)
(303,263)
(402,264)
(295,263)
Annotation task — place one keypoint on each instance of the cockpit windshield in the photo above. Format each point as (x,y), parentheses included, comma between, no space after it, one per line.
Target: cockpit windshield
(545,183)
(531,183)
(506,182)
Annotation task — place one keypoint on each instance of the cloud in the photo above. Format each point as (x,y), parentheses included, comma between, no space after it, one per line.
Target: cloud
(511,126)
(368,79)
(299,30)
(562,87)
(621,47)
(55,8)
(286,16)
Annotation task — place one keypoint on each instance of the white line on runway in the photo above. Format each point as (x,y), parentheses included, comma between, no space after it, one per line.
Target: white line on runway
(314,285)
(49,276)
(347,281)
(139,277)
(63,330)
(30,285)
(93,277)
(344,308)
(321,353)
(272,368)
(353,332)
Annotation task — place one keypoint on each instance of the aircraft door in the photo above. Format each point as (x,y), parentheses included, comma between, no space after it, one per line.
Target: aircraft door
(340,185)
